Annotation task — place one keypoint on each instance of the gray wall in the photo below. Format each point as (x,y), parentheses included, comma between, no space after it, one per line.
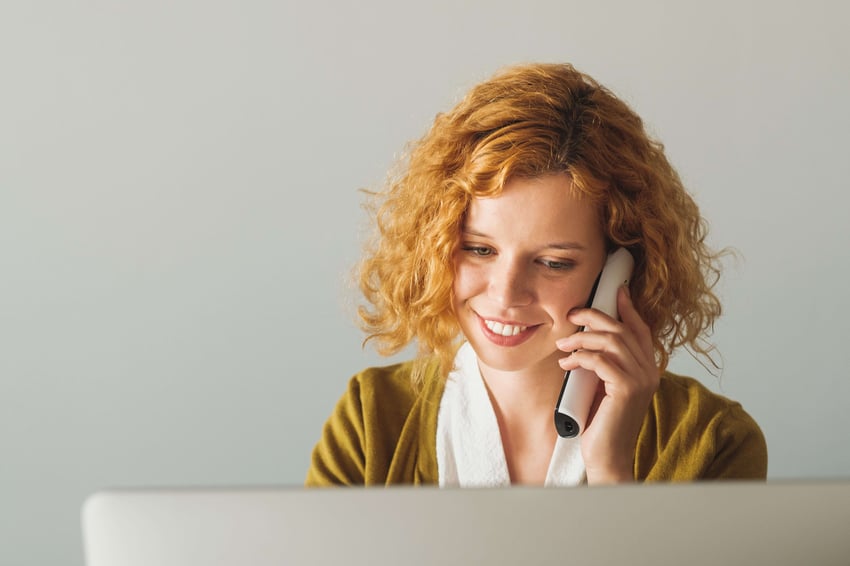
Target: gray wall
(179,212)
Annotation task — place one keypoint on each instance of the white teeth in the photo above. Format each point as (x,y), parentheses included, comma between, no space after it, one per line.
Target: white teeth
(504,329)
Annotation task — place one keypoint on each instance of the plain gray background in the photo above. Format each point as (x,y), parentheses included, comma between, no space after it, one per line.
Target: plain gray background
(179,212)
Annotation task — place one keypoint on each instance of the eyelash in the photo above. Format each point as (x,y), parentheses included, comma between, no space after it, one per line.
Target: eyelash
(558,265)
(480,251)
(484,251)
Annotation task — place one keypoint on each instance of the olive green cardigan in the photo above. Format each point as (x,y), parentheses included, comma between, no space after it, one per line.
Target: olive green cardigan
(384,432)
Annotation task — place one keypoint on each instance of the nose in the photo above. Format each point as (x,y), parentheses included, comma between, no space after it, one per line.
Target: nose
(509,284)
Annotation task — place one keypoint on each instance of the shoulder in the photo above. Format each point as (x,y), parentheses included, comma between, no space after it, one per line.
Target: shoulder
(378,400)
(691,432)
(682,397)
(684,401)
(389,393)
(682,391)
(384,382)
(364,439)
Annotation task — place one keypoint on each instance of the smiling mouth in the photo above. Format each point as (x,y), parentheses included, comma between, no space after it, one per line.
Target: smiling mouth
(504,329)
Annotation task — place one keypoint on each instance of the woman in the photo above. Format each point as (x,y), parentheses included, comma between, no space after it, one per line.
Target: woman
(488,247)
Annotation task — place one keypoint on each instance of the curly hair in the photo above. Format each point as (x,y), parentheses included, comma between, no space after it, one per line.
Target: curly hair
(529,121)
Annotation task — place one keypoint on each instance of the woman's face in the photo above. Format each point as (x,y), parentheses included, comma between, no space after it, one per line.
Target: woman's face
(525,258)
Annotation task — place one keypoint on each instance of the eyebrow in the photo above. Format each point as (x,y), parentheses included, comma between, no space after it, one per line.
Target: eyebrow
(567,246)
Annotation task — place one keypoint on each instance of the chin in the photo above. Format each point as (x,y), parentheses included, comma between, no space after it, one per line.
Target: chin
(513,359)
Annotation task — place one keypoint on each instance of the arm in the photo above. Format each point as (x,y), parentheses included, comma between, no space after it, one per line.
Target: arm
(692,434)
(362,440)
(740,448)
(339,456)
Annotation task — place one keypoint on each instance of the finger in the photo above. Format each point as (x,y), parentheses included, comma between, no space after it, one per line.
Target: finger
(619,339)
(591,318)
(611,358)
(621,383)
(619,344)
(606,367)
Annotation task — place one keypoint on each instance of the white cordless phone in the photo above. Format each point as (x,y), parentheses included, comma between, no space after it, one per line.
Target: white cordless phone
(579,389)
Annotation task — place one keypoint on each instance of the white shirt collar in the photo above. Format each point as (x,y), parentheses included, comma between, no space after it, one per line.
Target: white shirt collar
(469,445)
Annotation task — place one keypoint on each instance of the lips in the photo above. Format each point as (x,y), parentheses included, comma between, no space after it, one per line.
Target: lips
(505,333)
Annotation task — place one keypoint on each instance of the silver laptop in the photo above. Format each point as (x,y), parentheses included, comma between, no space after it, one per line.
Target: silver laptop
(711,524)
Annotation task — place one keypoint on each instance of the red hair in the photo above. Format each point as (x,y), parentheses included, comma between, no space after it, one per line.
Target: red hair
(530,121)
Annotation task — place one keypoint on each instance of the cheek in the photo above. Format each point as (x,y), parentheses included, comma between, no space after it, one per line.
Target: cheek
(562,299)
(465,281)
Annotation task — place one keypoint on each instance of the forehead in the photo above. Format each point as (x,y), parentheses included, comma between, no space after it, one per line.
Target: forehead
(544,207)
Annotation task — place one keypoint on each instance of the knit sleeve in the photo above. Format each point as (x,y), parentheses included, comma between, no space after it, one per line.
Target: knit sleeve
(360,441)
(692,434)
(339,457)
(740,448)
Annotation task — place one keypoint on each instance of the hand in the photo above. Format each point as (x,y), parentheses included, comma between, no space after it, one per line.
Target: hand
(622,355)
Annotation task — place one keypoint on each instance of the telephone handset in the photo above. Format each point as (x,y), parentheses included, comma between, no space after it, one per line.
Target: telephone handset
(579,389)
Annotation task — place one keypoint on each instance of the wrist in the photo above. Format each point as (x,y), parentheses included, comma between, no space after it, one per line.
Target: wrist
(610,477)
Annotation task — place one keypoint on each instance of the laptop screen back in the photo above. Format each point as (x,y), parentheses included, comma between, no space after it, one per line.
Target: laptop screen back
(695,524)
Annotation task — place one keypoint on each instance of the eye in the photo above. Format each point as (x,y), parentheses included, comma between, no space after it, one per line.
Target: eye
(480,251)
(557,265)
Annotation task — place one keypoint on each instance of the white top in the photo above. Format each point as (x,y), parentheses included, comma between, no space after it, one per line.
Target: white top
(469,445)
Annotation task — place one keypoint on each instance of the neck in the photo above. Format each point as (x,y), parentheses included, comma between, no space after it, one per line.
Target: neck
(524,389)
(523,402)
(517,395)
